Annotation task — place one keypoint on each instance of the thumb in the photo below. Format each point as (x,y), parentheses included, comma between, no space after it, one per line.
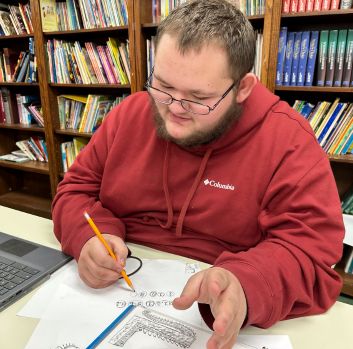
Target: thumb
(190,293)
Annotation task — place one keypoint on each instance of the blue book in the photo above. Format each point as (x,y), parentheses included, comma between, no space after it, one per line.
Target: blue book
(281,54)
(310,68)
(288,59)
(330,123)
(303,57)
(295,61)
(308,107)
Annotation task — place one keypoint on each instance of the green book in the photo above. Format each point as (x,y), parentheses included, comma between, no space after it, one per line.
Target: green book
(341,48)
(322,57)
(331,57)
(348,60)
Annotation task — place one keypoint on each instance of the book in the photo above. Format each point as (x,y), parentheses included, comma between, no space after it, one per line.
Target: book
(322,57)
(346,4)
(48,15)
(294,6)
(317,5)
(335,4)
(302,5)
(285,9)
(13,158)
(309,6)
(348,60)
(312,54)
(281,55)
(6,23)
(331,57)
(341,47)
(325,5)
(287,69)
(303,57)
(295,60)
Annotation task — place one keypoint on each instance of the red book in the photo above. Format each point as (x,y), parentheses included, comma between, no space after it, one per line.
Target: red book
(335,4)
(325,5)
(317,5)
(302,5)
(309,6)
(294,6)
(285,6)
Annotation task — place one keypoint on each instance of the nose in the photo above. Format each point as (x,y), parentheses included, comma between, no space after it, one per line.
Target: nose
(176,108)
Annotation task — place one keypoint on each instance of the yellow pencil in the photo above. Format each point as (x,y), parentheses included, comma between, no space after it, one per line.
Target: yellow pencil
(101,238)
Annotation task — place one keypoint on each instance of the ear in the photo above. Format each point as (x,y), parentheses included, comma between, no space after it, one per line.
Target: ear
(246,85)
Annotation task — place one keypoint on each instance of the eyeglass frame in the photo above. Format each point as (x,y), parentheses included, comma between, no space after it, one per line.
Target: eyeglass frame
(148,86)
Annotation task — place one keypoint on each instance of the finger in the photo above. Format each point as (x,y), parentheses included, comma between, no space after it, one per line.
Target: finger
(217,342)
(102,274)
(102,258)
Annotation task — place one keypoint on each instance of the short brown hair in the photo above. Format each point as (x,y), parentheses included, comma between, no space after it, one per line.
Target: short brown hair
(200,22)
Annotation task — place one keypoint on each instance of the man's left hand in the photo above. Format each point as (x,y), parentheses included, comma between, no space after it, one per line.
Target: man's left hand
(220,289)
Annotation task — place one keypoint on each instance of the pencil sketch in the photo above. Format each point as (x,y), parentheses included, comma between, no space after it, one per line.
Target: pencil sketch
(164,328)
(149,299)
(67,346)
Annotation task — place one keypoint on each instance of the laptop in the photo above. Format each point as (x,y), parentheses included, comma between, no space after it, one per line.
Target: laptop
(23,266)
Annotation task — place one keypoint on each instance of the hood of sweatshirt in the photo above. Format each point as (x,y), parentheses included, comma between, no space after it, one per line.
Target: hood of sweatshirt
(254,111)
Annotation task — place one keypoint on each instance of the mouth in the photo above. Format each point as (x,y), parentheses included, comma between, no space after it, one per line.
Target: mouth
(178,118)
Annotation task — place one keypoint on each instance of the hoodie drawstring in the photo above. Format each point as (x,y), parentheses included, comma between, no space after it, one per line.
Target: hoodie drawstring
(179,227)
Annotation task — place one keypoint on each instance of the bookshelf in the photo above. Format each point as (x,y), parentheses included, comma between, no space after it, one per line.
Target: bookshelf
(30,186)
(342,165)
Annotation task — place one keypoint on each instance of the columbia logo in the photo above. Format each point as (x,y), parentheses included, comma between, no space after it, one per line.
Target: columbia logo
(215,184)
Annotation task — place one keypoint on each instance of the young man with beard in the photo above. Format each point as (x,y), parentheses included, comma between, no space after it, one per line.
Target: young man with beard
(210,165)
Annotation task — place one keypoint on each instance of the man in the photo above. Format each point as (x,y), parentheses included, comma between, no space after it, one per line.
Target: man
(210,165)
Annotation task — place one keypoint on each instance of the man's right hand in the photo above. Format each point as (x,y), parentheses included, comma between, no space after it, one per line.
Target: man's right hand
(95,265)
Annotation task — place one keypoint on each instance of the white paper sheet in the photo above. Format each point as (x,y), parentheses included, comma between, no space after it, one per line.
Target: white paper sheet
(75,314)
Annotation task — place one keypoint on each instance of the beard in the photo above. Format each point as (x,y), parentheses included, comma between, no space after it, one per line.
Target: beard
(199,137)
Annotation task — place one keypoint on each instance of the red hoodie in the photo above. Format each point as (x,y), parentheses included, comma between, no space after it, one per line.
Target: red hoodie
(260,202)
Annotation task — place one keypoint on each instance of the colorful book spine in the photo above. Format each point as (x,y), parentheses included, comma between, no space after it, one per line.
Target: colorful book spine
(331,57)
(302,5)
(335,4)
(295,61)
(288,59)
(317,5)
(281,55)
(310,69)
(346,4)
(294,6)
(285,6)
(325,5)
(309,6)
(303,57)
(322,59)
(341,47)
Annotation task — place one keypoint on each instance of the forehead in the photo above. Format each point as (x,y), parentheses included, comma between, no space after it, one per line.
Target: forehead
(207,65)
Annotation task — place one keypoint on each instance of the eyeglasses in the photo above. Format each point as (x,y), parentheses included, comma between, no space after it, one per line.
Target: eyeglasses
(190,106)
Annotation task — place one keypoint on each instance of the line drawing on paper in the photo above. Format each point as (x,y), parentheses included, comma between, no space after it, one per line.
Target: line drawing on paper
(164,328)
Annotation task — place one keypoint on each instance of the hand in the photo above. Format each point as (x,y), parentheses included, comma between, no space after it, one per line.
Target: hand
(220,289)
(95,265)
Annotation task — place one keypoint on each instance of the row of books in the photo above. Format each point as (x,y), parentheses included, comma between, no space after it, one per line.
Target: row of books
(251,7)
(34,148)
(70,150)
(332,123)
(347,202)
(15,19)
(82,14)
(85,113)
(294,6)
(29,110)
(322,56)
(150,49)
(18,66)
(161,8)
(71,62)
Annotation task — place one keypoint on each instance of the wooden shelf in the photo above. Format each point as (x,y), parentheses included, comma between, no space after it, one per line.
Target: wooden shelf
(19,84)
(16,37)
(27,202)
(342,158)
(84,32)
(91,86)
(34,128)
(314,89)
(29,166)
(74,133)
(330,13)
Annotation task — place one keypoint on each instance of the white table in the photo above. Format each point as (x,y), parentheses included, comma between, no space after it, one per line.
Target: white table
(332,330)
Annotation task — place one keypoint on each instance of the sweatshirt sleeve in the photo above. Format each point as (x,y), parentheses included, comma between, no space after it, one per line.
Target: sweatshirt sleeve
(80,190)
(289,273)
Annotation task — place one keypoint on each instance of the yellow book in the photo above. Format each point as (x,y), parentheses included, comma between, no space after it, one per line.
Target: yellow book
(113,48)
(344,138)
(319,113)
(337,143)
(85,113)
(48,15)
(79,144)
(82,99)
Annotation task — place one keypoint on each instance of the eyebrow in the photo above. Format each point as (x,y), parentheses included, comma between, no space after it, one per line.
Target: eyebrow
(190,91)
